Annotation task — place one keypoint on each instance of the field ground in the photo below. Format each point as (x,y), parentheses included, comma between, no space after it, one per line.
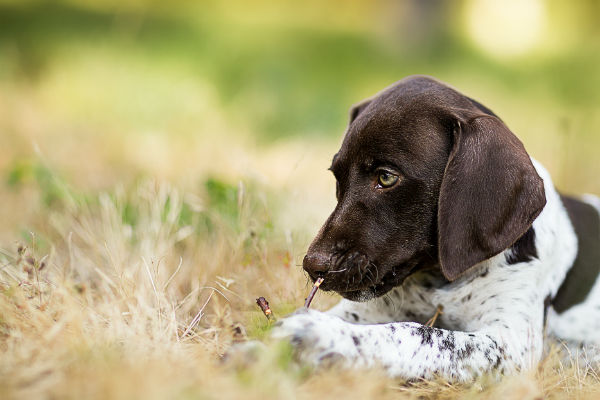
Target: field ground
(138,291)
(162,168)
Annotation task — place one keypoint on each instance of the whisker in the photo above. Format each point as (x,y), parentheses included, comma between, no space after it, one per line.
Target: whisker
(392,302)
(368,274)
(339,260)
(372,264)
(308,279)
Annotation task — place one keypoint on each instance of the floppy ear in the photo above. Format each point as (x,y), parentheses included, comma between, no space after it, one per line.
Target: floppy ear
(489,197)
(356,109)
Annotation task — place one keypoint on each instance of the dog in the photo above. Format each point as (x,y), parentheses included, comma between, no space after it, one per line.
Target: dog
(441,211)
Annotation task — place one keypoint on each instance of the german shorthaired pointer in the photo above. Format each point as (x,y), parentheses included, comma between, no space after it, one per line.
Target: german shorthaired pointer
(440,206)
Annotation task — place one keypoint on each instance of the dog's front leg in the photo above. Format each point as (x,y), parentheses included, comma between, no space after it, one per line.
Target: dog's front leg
(380,310)
(404,349)
(374,311)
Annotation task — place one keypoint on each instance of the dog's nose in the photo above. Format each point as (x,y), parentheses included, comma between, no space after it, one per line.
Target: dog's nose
(316,264)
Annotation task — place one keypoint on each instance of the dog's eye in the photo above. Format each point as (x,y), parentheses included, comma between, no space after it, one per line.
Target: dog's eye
(386,179)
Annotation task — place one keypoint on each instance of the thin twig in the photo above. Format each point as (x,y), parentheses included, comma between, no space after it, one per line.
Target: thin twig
(438,312)
(313,291)
(264,306)
(173,274)
(155,293)
(197,317)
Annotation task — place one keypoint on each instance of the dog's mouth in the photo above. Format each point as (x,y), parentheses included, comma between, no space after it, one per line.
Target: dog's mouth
(369,285)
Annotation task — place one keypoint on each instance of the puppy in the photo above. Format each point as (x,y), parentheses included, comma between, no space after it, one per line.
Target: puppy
(441,208)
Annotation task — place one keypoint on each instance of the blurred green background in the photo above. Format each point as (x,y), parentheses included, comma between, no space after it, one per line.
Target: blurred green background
(104,91)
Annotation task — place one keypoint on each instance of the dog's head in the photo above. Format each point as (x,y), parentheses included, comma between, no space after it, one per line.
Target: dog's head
(426,177)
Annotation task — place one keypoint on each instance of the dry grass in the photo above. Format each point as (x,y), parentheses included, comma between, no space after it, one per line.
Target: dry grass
(99,304)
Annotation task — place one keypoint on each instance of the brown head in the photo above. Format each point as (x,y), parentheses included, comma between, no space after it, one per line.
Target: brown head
(426,177)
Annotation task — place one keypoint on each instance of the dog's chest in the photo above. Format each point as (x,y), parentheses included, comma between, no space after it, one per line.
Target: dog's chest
(465,305)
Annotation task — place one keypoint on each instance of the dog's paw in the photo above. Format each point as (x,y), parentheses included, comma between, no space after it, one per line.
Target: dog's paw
(318,338)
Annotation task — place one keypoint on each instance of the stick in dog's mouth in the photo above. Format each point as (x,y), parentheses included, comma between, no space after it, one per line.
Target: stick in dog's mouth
(313,291)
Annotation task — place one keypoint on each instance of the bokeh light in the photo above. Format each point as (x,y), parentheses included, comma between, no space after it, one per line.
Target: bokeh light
(506,28)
